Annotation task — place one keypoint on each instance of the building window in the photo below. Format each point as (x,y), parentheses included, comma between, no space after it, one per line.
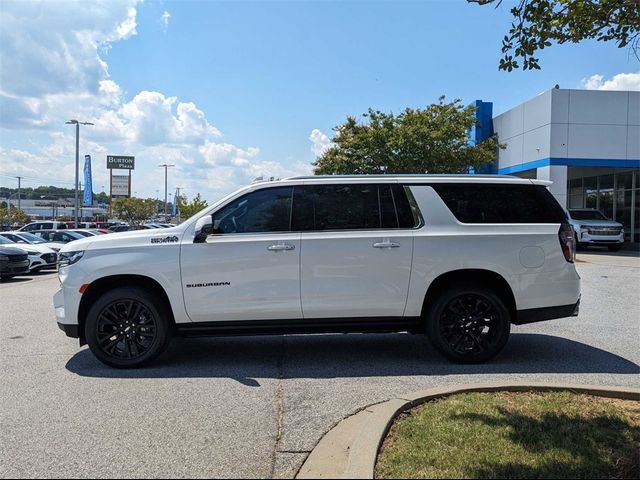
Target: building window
(616,195)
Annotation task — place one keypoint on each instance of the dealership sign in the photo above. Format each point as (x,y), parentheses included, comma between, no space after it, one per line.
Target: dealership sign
(120,162)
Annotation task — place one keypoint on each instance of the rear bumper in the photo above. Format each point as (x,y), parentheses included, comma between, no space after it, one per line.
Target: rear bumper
(532,315)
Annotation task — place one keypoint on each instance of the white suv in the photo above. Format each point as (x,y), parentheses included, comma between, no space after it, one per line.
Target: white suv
(459,258)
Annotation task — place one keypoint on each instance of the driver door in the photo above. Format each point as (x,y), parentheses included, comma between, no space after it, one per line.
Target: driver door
(249,268)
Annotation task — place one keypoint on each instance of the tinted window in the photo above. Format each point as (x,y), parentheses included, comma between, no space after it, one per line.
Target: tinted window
(351,207)
(267,210)
(486,203)
(336,207)
(407,217)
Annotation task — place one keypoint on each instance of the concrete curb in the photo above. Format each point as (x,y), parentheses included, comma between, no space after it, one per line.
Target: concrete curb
(350,449)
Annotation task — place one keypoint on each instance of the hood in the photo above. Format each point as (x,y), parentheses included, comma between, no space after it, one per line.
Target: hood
(36,247)
(127,239)
(12,251)
(598,223)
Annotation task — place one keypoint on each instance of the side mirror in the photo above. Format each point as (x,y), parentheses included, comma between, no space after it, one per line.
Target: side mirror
(204,227)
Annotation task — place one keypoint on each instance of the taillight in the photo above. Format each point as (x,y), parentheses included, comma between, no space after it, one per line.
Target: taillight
(567,242)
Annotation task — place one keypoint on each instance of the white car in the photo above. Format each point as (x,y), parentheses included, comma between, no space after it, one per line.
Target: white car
(29,238)
(459,258)
(592,228)
(40,257)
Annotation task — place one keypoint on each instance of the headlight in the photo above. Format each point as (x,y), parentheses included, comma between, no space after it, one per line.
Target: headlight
(69,258)
(31,252)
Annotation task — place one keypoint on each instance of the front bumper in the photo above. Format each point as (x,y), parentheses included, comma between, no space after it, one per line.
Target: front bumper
(593,239)
(71,331)
(14,268)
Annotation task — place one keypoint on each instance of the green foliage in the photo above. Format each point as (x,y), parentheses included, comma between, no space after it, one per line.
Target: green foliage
(188,209)
(134,210)
(433,140)
(538,23)
(13,216)
(49,193)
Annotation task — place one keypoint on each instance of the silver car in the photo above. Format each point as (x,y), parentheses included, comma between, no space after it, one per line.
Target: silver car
(592,228)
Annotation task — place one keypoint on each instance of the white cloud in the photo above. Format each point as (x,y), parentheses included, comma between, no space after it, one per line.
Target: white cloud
(320,142)
(166,16)
(621,81)
(54,68)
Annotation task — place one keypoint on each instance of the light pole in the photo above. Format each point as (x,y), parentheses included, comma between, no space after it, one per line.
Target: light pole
(19,179)
(77,124)
(166,166)
(178,202)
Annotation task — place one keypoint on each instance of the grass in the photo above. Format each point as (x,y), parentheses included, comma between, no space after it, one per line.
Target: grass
(515,435)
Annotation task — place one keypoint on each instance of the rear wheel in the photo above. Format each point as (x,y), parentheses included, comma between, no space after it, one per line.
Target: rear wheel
(468,324)
(127,328)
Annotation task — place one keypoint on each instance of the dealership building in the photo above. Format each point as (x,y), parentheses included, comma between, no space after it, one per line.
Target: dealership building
(587,142)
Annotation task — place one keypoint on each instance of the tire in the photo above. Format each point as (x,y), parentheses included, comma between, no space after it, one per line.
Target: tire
(614,248)
(127,328)
(467,341)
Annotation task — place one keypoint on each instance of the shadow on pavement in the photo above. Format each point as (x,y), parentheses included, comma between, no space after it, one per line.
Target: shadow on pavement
(246,359)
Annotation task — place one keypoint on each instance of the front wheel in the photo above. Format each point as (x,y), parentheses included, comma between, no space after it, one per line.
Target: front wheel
(127,328)
(468,324)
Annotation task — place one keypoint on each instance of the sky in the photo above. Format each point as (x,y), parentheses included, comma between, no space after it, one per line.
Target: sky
(234,90)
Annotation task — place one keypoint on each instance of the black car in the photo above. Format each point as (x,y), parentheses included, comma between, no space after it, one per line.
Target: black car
(13,261)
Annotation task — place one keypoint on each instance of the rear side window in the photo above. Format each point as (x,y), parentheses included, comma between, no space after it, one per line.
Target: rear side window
(267,210)
(351,207)
(490,203)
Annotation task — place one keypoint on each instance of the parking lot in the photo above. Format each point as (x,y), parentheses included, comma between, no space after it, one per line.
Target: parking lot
(255,406)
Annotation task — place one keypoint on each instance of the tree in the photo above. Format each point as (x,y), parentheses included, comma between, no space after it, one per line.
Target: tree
(538,23)
(133,210)
(433,140)
(189,209)
(13,216)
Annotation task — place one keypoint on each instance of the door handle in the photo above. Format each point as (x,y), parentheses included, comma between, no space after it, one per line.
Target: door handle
(386,245)
(279,247)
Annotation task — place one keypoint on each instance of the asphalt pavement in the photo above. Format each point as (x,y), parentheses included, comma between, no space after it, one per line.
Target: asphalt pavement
(253,407)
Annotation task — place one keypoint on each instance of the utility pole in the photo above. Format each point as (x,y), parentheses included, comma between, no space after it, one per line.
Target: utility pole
(166,166)
(77,124)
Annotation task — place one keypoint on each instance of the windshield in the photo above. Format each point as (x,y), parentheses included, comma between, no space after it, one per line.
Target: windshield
(75,235)
(587,215)
(31,238)
(5,241)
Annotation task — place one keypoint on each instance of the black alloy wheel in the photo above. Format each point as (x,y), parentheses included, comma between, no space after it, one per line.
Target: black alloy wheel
(469,324)
(127,327)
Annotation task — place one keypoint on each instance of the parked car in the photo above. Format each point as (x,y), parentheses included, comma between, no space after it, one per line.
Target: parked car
(46,225)
(13,261)
(59,236)
(28,238)
(459,258)
(40,257)
(120,228)
(593,228)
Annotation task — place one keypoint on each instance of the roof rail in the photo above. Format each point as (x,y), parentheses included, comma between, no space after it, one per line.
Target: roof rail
(395,175)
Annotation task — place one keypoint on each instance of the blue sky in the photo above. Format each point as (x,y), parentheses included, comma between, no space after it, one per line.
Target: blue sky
(255,80)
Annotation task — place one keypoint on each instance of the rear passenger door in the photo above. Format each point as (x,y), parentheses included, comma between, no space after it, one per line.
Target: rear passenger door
(356,249)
